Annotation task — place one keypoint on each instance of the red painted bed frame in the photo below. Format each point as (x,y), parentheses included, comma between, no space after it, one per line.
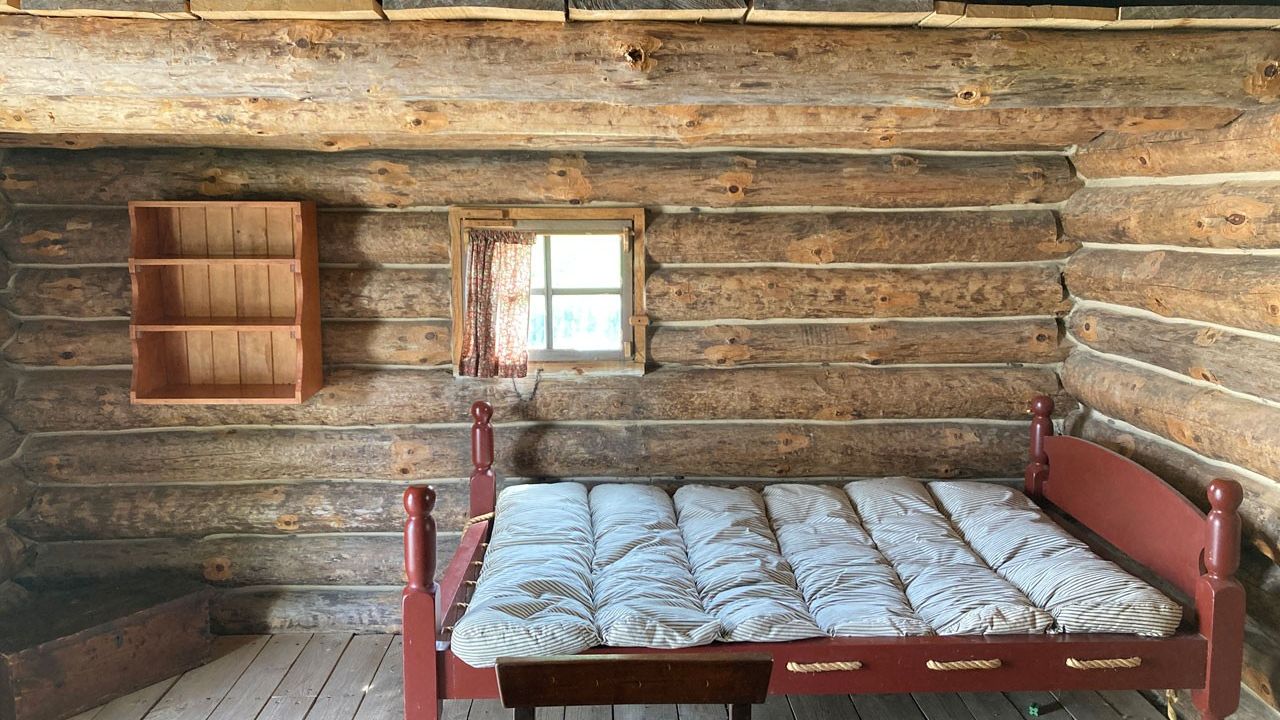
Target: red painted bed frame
(1111,496)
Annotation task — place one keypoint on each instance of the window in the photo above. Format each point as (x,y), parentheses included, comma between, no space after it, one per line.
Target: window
(585,287)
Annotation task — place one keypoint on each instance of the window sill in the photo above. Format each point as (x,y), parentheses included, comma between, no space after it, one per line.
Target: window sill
(576,368)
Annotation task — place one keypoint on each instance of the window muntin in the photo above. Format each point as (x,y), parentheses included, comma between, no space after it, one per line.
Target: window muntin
(583,308)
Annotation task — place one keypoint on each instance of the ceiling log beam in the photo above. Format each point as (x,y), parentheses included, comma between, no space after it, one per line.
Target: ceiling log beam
(84,82)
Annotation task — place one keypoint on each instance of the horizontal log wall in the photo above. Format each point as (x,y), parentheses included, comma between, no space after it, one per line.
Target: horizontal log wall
(797,333)
(327,86)
(1176,327)
(14,489)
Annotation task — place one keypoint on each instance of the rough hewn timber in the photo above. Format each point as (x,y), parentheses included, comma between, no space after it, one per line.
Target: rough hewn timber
(10,440)
(1238,290)
(536,10)
(139,9)
(82,512)
(870,237)
(14,553)
(103,292)
(1237,362)
(880,342)
(101,235)
(71,236)
(1223,215)
(861,449)
(74,343)
(1204,419)
(386,179)
(1184,15)
(14,492)
(258,610)
(641,84)
(844,12)
(788,292)
(668,127)
(686,10)
(1250,144)
(352,559)
(287,9)
(99,400)
(1191,473)
(1262,659)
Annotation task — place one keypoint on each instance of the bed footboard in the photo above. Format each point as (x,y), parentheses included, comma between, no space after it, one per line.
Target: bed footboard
(1137,512)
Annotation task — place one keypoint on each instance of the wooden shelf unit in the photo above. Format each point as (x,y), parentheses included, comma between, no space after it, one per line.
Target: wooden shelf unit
(226,305)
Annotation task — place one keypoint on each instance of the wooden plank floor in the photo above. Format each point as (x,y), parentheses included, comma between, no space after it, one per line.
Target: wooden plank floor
(359,677)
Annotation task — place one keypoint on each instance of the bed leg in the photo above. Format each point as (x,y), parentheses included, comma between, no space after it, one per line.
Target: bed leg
(740,711)
(1220,604)
(421,678)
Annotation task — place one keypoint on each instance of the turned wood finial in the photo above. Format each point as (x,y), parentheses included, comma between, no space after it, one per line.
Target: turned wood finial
(1222,545)
(1038,460)
(420,538)
(482,435)
(484,482)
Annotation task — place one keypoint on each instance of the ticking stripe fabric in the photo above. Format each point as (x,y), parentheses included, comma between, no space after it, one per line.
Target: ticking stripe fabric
(1083,592)
(645,595)
(850,588)
(627,565)
(534,593)
(741,575)
(948,584)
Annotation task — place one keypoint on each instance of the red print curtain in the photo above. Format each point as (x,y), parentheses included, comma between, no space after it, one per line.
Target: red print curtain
(495,339)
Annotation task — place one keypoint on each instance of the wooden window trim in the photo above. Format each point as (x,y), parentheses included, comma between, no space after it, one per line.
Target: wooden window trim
(462,219)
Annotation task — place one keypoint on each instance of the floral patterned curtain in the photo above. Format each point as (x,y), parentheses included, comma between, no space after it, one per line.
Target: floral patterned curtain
(495,336)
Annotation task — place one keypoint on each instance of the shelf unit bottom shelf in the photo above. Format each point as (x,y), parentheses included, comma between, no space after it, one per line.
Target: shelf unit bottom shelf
(228,394)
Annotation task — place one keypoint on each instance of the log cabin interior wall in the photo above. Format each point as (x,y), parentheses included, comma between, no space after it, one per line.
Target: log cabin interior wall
(788,341)
(824,303)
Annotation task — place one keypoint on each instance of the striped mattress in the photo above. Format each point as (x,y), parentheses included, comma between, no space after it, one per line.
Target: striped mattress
(625,565)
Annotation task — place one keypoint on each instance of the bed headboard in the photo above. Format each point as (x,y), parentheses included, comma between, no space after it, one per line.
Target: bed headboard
(1119,500)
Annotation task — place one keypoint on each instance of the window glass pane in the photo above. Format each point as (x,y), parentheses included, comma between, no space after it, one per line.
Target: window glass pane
(586,261)
(587,322)
(537,322)
(537,264)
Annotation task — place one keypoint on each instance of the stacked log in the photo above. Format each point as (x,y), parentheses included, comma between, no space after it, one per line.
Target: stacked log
(796,333)
(14,491)
(1177,321)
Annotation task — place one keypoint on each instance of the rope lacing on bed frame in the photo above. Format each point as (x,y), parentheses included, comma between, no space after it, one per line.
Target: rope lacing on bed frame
(478,518)
(1104,663)
(819,667)
(963,664)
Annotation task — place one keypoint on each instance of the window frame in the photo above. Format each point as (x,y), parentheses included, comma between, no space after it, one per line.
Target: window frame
(543,220)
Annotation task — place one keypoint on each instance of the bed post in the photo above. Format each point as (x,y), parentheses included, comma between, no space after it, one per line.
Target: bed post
(1041,428)
(1220,603)
(421,691)
(484,482)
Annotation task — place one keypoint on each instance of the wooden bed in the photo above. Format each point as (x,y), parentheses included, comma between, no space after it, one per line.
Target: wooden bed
(1196,556)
